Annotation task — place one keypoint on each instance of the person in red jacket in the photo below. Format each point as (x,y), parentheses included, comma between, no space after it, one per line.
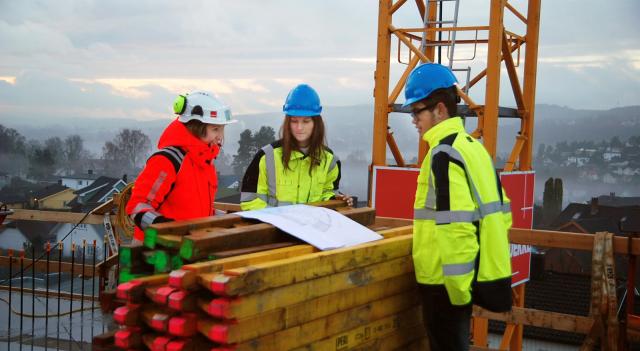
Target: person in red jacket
(179,180)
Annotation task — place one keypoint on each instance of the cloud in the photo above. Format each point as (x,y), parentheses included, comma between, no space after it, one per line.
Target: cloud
(130,59)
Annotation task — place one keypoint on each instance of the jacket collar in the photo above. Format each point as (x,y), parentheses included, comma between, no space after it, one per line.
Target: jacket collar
(441,130)
(176,134)
(295,155)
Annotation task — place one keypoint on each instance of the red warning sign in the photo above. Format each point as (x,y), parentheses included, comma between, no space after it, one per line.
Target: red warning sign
(393,194)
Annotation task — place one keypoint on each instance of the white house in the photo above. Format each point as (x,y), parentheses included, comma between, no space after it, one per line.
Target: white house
(15,234)
(11,238)
(100,191)
(83,232)
(610,154)
(577,160)
(79,181)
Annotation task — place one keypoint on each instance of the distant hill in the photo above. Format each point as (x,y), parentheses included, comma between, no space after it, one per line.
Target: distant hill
(350,128)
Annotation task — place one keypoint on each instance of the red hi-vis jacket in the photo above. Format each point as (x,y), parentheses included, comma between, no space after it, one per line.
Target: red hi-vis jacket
(178,182)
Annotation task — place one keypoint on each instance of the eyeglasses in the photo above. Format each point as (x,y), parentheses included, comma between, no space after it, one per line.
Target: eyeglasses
(414,114)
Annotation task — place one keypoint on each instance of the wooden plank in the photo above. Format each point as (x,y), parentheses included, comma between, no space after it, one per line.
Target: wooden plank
(196,343)
(382,316)
(268,300)
(374,336)
(161,260)
(169,241)
(159,294)
(568,240)
(187,277)
(253,249)
(49,293)
(156,318)
(155,341)
(398,231)
(105,208)
(185,325)
(56,216)
(129,338)
(538,318)
(183,301)
(202,242)
(41,266)
(108,263)
(262,276)
(127,315)
(228,207)
(223,221)
(391,222)
(133,291)
(239,330)
(130,255)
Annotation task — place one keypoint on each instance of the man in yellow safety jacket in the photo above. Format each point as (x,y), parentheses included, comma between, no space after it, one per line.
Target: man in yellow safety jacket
(461,215)
(299,168)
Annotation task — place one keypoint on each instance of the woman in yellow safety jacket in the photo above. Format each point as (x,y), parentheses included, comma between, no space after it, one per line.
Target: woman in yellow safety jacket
(298,168)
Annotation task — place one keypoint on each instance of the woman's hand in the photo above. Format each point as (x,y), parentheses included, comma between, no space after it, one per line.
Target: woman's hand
(346,198)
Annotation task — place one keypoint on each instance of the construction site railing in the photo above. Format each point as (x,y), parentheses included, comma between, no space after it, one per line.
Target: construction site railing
(30,279)
(51,295)
(602,322)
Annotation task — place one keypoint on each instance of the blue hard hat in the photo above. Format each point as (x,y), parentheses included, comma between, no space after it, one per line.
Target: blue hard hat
(425,79)
(302,101)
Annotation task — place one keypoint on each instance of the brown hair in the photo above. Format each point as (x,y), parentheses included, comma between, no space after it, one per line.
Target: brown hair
(317,144)
(197,128)
(448,96)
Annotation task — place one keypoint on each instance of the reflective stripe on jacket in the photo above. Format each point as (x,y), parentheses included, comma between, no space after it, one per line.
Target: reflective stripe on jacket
(267,183)
(461,220)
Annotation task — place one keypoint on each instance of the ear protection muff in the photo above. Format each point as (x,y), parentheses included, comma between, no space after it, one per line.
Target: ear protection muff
(179,104)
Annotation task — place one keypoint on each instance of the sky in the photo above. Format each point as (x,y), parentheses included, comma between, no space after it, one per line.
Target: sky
(129,59)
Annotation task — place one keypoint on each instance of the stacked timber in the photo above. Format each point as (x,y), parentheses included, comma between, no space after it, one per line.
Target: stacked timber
(285,298)
(169,246)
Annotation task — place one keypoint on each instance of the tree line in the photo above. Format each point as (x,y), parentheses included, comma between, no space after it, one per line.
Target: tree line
(41,159)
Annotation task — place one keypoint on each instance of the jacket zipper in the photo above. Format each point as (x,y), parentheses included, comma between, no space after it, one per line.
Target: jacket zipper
(298,189)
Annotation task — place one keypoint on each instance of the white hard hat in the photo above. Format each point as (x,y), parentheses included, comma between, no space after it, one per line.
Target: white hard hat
(203,107)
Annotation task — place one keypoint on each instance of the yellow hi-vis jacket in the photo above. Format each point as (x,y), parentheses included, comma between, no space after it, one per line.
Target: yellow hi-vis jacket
(461,219)
(267,183)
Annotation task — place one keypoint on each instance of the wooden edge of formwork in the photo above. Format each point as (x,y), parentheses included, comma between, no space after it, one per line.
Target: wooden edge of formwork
(226,220)
(253,304)
(538,318)
(388,312)
(188,276)
(264,323)
(378,335)
(273,274)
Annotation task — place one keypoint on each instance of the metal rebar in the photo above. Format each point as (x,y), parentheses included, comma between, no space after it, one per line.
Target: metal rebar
(93,286)
(21,294)
(33,295)
(60,249)
(73,262)
(46,299)
(10,294)
(105,271)
(84,250)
